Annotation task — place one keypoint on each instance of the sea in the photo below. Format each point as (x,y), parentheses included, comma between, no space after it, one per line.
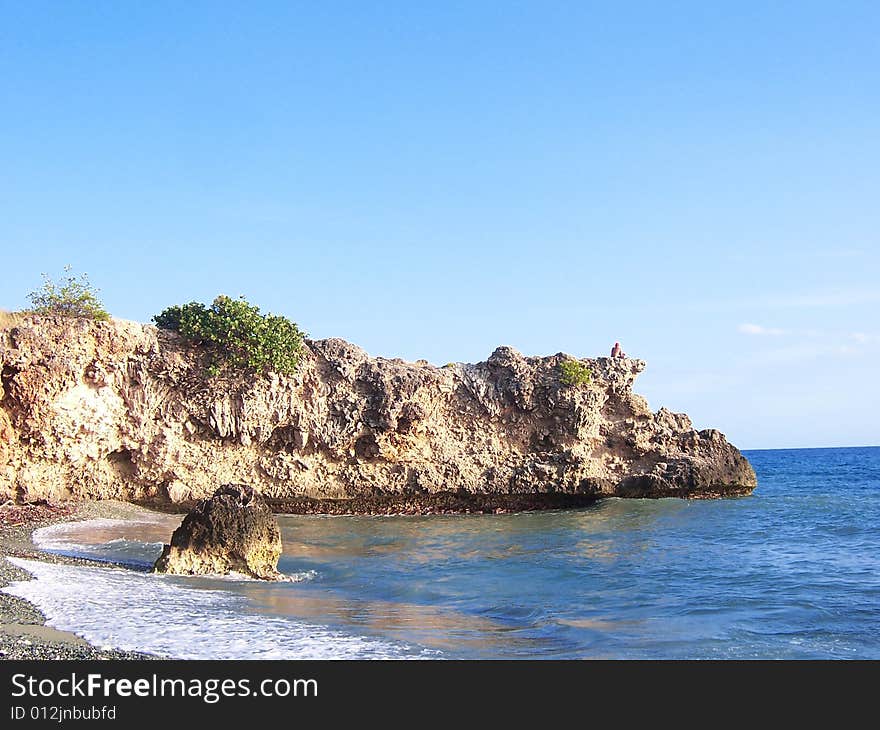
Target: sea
(790,572)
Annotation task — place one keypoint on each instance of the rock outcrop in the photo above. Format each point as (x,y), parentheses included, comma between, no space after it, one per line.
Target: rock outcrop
(234,530)
(123,410)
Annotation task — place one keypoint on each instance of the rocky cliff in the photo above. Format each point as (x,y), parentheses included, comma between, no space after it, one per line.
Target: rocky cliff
(123,410)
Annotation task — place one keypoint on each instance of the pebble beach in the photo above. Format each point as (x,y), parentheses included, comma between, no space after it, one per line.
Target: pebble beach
(23,630)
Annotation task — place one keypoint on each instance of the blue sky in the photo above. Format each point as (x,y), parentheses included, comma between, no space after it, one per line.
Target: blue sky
(698,180)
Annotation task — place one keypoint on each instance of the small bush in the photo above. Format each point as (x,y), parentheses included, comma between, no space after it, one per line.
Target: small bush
(236,335)
(573,372)
(73,297)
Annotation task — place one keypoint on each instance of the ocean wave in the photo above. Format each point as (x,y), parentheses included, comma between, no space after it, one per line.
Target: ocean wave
(235,576)
(61,536)
(124,609)
(133,542)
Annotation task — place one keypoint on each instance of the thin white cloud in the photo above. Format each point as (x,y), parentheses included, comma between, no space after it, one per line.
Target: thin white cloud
(802,353)
(860,338)
(827,299)
(756,329)
(803,345)
(831,253)
(837,253)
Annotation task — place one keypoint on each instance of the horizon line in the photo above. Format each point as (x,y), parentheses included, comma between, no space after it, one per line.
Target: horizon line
(805,448)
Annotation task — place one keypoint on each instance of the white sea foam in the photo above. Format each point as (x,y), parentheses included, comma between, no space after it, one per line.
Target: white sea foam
(237,577)
(124,609)
(69,536)
(135,542)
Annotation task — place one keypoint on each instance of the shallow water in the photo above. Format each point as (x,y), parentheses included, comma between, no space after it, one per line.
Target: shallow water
(789,572)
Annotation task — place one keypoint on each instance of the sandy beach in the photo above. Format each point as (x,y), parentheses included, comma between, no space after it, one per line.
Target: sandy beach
(23,630)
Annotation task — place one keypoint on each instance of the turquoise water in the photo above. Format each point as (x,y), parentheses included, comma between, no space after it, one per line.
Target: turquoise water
(792,571)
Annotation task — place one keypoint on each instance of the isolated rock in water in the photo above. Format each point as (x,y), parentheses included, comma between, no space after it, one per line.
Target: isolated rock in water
(232,531)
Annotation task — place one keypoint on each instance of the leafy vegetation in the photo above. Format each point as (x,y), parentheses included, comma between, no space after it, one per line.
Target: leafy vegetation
(573,372)
(74,296)
(236,335)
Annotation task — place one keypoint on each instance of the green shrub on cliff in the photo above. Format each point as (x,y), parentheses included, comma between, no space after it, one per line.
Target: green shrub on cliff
(573,372)
(237,335)
(74,296)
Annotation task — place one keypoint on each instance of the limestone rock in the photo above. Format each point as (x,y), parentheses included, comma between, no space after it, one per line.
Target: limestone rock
(122,410)
(234,530)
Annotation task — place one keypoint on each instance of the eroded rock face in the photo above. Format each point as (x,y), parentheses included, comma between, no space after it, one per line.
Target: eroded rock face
(234,530)
(123,410)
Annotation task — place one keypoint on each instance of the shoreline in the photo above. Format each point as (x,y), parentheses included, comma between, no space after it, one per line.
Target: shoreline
(446,503)
(24,634)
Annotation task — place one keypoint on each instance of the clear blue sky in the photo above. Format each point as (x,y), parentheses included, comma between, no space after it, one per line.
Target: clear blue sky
(698,180)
